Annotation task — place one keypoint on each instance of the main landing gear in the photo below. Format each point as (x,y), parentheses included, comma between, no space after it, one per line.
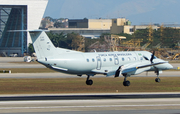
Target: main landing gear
(89,81)
(157,79)
(126,82)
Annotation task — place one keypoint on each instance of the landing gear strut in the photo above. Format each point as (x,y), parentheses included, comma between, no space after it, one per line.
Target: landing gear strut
(126,82)
(89,81)
(157,79)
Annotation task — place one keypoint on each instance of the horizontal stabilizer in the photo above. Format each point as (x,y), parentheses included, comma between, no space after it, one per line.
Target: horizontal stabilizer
(37,30)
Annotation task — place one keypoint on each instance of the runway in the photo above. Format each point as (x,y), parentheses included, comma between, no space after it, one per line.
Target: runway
(131,106)
(89,96)
(133,103)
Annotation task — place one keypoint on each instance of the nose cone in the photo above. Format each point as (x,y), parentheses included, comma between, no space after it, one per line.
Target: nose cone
(169,66)
(165,66)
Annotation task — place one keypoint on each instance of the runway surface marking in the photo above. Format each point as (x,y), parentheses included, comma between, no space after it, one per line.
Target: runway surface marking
(102,106)
(90,103)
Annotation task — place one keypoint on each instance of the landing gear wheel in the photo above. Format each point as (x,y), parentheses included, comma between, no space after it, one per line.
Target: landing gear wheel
(126,83)
(157,80)
(89,82)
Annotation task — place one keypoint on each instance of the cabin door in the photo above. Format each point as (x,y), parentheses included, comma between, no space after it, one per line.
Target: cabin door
(98,63)
(116,60)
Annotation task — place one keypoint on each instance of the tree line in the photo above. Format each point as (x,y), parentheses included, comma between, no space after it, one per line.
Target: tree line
(166,37)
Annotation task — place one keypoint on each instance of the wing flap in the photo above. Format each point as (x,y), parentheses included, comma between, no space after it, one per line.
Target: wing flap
(108,71)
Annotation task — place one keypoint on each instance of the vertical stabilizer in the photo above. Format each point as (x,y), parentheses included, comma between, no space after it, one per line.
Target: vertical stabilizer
(42,44)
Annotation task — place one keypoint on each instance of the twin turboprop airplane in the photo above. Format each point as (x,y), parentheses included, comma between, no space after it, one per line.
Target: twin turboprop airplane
(125,63)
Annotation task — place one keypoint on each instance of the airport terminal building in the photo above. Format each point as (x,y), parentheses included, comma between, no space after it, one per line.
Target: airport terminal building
(18,15)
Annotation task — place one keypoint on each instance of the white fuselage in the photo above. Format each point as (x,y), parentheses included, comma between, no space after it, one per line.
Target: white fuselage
(85,63)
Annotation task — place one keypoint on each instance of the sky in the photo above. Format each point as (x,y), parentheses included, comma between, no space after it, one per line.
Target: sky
(137,11)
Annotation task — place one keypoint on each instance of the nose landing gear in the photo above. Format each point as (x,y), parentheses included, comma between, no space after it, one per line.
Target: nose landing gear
(157,79)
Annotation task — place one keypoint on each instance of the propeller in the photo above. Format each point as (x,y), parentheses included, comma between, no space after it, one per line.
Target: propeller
(152,57)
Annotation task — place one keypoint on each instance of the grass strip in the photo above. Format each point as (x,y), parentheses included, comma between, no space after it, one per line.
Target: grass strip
(77,85)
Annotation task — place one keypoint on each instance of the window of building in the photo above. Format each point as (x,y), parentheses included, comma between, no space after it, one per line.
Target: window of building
(131,30)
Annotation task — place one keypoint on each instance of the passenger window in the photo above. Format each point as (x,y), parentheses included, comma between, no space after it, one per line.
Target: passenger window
(93,60)
(141,58)
(110,59)
(122,59)
(104,59)
(87,60)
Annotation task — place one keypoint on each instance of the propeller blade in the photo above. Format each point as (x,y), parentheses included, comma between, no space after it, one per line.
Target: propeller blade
(146,58)
(152,57)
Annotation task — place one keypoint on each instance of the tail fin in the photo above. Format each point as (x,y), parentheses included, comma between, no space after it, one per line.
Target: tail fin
(42,44)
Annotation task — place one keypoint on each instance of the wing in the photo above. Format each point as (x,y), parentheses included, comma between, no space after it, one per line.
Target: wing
(139,67)
(128,69)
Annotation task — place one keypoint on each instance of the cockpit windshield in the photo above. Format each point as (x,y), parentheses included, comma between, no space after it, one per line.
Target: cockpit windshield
(155,57)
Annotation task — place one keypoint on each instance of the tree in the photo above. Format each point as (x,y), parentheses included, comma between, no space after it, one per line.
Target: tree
(58,25)
(43,23)
(58,39)
(31,49)
(75,41)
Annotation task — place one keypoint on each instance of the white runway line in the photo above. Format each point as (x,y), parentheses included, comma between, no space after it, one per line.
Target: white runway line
(95,106)
(64,104)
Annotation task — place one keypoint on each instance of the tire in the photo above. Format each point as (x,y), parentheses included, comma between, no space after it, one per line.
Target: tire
(126,83)
(157,80)
(89,82)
